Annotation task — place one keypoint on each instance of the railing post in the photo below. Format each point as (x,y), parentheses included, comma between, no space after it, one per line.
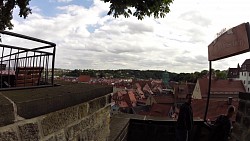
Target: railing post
(209,88)
(53,65)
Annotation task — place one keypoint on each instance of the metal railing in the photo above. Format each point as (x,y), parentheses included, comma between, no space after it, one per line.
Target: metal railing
(23,67)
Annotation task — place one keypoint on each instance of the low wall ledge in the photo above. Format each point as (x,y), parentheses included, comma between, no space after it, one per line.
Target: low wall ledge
(39,101)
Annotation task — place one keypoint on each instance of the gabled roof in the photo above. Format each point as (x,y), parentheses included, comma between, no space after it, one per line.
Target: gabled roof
(233,73)
(147,89)
(215,108)
(246,62)
(142,83)
(220,86)
(124,98)
(164,99)
(159,110)
(246,65)
(181,90)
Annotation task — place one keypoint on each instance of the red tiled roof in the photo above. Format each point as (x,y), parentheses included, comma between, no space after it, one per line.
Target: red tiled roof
(164,99)
(246,62)
(143,101)
(84,78)
(233,73)
(215,108)
(181,90)
(159,110)
(142,83)
(220,86)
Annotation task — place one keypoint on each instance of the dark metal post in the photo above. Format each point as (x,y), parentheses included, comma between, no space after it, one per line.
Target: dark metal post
(209,88)
(2,68)
(53,66)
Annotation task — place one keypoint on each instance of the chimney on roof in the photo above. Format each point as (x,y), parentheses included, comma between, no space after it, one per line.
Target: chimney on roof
(230,101)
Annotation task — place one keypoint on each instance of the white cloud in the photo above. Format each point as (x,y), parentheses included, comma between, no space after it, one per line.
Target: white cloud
(88,39)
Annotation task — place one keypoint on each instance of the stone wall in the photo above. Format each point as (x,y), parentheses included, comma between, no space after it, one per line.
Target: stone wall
(73,123)
(88,120)
(241,129)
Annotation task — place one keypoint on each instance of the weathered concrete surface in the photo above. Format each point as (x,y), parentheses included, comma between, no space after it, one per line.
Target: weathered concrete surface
(6,112)
(35,102)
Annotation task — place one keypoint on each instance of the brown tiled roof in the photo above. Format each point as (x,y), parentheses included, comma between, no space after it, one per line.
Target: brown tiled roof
(233,73)
(159,110)
(220,86)
(84,78)
(164,99)
(142,82)
(181,90)
(246,62)
(215,108)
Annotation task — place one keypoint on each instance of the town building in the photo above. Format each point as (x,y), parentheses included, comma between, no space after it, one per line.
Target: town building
(220,89)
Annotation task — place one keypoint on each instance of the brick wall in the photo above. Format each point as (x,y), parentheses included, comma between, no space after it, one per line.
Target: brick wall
(85,121)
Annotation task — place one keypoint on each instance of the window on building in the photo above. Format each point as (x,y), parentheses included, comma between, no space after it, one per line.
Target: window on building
(248,82)
(242,73)
(249,74)
(248,89)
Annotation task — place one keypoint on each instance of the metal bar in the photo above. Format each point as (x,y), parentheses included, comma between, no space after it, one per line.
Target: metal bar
(41,77)
(25,65)
(47,68)
(53,65)
(2,69)
(14,47)
(36,61)
(24,49)
(209,89)
(17,64)
(23,57)
(33,69)
(44,68)
(27,37)
(9,68)
(15,61)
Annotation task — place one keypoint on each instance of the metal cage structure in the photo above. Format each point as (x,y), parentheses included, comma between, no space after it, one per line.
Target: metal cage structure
(22,67)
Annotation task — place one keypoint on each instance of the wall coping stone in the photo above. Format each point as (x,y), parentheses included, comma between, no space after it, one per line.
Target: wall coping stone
(31,103)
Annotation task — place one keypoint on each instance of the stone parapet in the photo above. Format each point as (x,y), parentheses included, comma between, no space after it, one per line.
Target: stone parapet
(85,115)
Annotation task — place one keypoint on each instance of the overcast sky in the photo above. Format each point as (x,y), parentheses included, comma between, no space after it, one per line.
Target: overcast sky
(87,38)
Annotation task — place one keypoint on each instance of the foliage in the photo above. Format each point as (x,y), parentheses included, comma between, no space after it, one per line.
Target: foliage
(148,74)
(139,8)
(6,11)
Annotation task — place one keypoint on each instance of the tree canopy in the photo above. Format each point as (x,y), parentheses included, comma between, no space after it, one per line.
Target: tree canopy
(139,8)
(6,11)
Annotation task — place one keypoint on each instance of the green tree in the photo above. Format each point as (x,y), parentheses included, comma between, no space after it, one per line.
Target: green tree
(6,11)
(221,74)
(139,8)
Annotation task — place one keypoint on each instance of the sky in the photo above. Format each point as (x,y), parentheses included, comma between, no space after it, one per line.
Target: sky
(87,38)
